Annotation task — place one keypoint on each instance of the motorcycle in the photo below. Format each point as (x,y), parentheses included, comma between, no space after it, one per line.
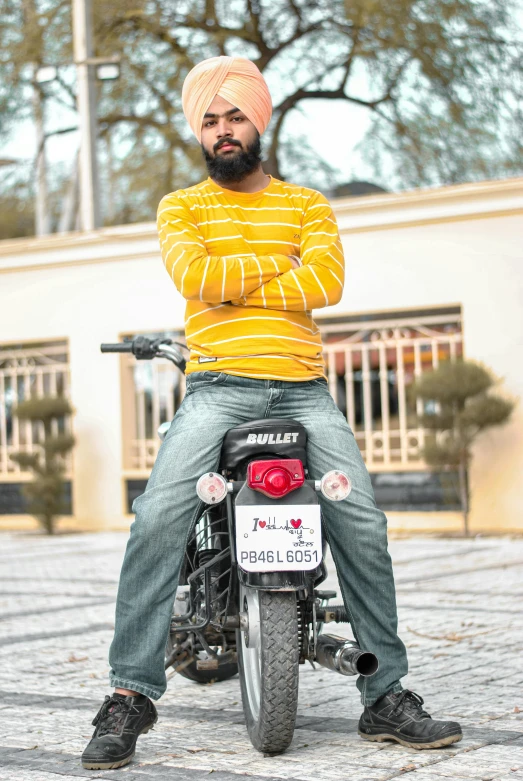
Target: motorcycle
(248,600)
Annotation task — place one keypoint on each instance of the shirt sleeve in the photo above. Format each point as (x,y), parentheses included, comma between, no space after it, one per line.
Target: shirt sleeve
(318,282)
(203,277)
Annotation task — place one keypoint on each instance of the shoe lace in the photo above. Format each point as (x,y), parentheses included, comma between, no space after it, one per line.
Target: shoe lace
(111,715)
(407,700)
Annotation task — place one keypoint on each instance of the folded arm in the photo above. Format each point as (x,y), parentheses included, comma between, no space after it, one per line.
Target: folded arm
(318,282)
(203,277)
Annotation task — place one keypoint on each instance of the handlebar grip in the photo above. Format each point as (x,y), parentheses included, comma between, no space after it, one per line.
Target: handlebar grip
(122,347)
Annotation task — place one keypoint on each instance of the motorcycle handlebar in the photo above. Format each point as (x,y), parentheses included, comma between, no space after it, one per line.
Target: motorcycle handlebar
(125,347)
(145,349)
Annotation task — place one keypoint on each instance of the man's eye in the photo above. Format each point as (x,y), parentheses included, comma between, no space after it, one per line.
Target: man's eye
(238,119)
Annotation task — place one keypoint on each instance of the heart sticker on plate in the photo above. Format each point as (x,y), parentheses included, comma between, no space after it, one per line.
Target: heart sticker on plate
(262,524)
(296,523)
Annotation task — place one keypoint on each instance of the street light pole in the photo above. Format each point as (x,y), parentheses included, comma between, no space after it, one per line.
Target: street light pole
(82,36)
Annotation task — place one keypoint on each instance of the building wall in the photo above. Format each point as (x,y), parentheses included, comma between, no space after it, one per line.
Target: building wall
(457,245)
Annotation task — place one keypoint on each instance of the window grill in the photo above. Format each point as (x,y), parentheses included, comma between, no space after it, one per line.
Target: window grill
(28,371)
(371,367)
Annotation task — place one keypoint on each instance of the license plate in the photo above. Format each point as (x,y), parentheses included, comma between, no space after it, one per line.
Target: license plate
(272,538)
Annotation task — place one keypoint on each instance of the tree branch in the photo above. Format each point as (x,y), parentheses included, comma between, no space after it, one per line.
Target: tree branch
(298,33)
(164,101)
(210,11)
(67,89)
(62,131)
(167,129)
(253,9)
(339,94)
(141,22)
(303,93)
(296,12)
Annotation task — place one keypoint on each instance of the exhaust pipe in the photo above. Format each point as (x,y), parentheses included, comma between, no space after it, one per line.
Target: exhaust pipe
(345,656)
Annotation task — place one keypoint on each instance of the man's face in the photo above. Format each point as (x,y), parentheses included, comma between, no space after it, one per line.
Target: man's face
(230,142)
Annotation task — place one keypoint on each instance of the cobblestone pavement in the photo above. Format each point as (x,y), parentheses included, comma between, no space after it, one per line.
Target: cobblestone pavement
(460,616)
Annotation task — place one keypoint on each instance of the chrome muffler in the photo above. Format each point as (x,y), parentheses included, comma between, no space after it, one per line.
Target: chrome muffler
(345,656)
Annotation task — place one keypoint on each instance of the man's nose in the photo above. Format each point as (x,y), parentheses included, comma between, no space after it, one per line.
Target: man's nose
(223,129)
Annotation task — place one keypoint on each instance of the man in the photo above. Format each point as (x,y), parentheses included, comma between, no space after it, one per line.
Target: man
(252,256)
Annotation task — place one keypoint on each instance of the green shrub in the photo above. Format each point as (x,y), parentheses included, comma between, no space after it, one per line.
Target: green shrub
(45,492)
(463,407)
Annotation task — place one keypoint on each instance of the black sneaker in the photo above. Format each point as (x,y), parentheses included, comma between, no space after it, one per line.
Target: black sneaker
(119,723)
(400,717)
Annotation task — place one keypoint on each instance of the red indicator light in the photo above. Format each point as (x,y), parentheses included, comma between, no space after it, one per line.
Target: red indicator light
(275,478)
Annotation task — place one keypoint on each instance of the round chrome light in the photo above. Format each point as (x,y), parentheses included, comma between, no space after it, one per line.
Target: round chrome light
(335,485)
(211,488)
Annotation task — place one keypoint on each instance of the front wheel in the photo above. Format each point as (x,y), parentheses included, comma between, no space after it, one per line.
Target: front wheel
(268,661)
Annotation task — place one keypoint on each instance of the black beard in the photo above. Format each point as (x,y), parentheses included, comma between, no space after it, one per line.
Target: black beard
(236,167)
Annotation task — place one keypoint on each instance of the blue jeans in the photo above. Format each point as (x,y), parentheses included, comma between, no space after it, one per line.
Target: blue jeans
(165,513)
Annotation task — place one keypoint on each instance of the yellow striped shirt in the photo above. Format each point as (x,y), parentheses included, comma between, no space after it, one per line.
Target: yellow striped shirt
(248,310)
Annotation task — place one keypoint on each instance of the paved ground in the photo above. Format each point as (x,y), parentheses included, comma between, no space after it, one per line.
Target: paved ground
(460,615)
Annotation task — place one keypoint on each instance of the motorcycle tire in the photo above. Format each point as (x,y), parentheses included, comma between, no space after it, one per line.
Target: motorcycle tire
(223,673)
(268,660)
